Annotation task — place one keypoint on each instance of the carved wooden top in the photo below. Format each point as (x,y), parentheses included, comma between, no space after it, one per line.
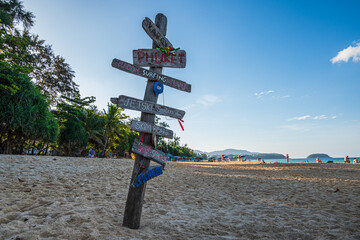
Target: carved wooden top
(154,33)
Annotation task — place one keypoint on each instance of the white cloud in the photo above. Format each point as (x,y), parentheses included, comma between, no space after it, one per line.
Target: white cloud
(208,100)
(261,94)
(299,118)
(321,117)
(349,52)
(333,117)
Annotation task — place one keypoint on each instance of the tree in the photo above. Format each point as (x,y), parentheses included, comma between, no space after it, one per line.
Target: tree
(94,123)
(49,71)
(12,12)
(113,124)
(73,135)
(24,115)
(24,112)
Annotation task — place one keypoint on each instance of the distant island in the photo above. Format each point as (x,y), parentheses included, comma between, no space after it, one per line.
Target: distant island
(234,153)
(319,155)
(226,152)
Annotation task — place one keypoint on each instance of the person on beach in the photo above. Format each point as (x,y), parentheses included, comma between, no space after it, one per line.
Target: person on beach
(287,158)
(346,159)
(318,160)
(91,153)
(356,160)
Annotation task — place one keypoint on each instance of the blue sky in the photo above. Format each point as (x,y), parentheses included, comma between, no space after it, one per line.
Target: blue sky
(266,76)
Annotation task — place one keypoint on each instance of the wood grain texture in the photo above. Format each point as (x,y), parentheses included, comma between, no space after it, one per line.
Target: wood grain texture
(149,152)
(134,201)
(146,127)
(151,74)
(148,107)
(143,177)
(155,34)
(157,58)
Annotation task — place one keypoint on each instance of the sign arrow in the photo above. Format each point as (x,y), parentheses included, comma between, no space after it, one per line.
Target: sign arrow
(147,107)
(142,72)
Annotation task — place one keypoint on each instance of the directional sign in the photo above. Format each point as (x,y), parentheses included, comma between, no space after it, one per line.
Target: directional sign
(152,172)
(154,33)
(149,152)
(157,58)
(151,128)
(147,107)
(166,80)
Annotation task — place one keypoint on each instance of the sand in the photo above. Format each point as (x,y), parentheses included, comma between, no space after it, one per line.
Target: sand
(79,198)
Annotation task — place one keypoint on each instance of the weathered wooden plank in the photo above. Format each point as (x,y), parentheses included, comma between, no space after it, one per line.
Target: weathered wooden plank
(155,34)
(147,107)
(149,152)
(134,201)
(157,58)
(145,176)
(151,128)
(152,75)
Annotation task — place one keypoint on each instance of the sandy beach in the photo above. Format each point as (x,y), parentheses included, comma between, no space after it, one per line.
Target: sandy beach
(80,198)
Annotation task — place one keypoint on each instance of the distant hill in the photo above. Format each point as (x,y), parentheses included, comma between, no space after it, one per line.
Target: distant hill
(200,152)
(247,154)
(319,155)
(230,152)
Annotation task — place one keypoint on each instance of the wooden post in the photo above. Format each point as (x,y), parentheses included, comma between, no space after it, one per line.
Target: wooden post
(136,195)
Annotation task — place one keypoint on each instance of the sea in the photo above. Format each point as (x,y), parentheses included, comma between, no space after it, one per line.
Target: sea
(310,160)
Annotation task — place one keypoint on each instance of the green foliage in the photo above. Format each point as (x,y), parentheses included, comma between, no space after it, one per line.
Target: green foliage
(12,12)
(70,114)
(72,137)
(50,72)
(24,111)
(10,68)
(25,115)
(173,147)
(113,124)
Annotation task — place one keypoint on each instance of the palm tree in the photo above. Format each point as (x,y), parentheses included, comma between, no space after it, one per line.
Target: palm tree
(113,123)
(94,125)
(176,141)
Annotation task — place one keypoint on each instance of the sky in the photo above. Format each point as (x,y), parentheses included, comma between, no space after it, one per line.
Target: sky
(267,76)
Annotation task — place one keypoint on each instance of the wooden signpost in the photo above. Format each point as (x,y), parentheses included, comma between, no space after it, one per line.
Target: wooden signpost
(155,34)
(157,58)
(149,152)
(152,75)
(153,171)
(151,128)
(144,147)
(148,107)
